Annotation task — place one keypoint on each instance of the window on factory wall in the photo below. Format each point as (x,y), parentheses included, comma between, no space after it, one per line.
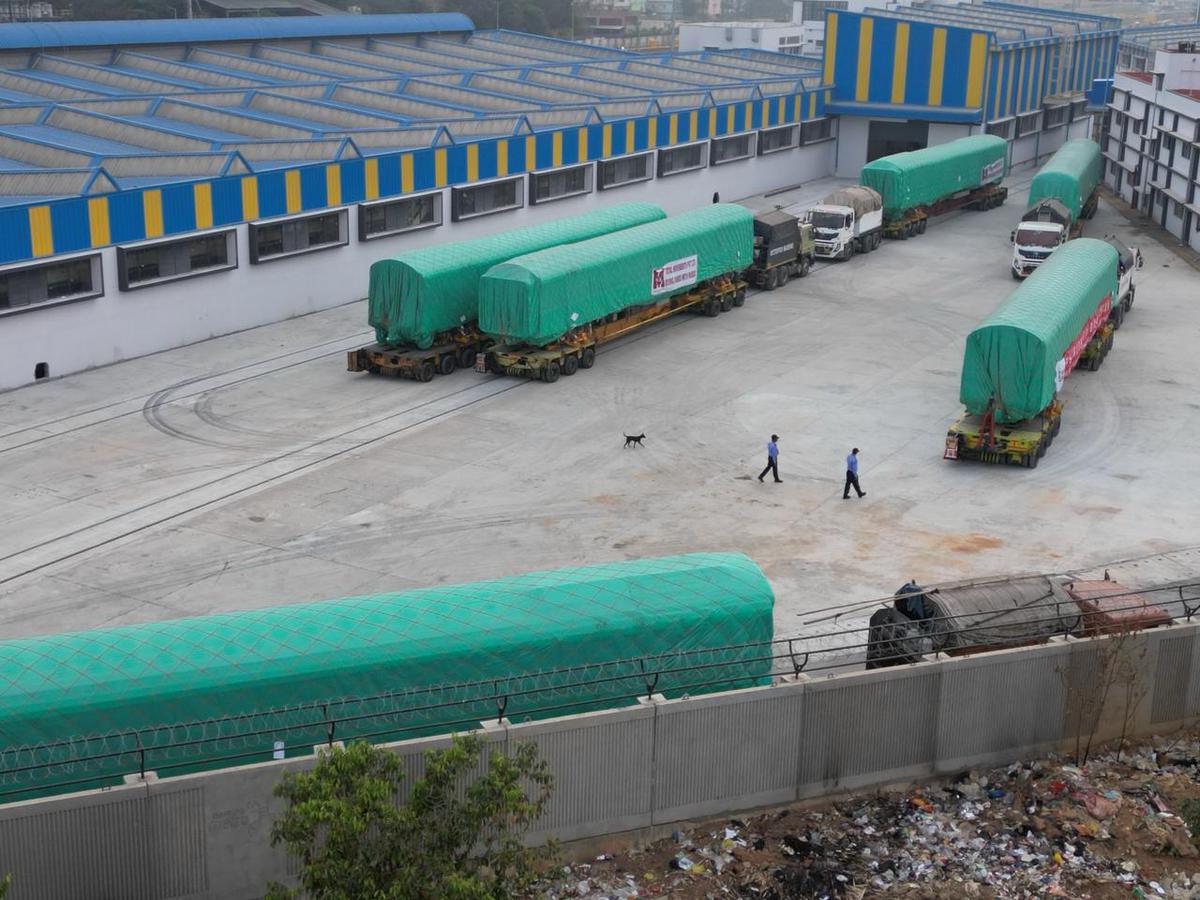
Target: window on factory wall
(731,149)
(816,130)
(545,187)
(382,218)
(1002,128)
(772,140)
(1055,116)
(614,173)
(1185,150)
(155,262)
(1028,123)
(1078,109)
(28,287)
(687,158)
(1177,209)
(280,238)
(485,199)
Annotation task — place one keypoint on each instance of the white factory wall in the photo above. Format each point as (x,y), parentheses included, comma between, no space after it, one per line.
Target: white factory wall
(854,130)
(126,324)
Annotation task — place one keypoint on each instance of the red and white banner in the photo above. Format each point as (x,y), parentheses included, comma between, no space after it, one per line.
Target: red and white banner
(1094,323)
(674,275)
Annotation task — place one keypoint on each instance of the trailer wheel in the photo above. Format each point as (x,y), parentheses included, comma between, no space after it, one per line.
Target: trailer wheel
(784,275)
(712,307)
(466,358)
(1056,427)
(1031,460)
(551,372)
(1129,302)
(425,371)
(570,365)
(739,297)
(922,225)
(587,357)
(447,364)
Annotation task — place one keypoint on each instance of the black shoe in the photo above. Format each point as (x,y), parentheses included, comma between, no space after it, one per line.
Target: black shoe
(779,481)
(863,494)
(760,479)
(845,496)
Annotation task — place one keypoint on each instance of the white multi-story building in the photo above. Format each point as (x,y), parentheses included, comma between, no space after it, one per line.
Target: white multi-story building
(1151,141)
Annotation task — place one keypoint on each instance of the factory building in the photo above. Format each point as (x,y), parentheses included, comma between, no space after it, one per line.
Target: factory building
(916,76)
(1139,45)
(164,182)
(1151,141)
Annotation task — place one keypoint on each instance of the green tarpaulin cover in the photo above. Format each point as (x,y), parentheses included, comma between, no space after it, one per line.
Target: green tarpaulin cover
(417,294)
(1021,353)
(397,654)
(1070,177)
(538,298)
(922,177)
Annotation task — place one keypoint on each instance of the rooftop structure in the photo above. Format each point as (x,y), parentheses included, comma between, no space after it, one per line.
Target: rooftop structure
(149,103)
(1138,45)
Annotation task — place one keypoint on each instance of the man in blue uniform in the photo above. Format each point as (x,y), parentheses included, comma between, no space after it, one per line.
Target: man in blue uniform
(852,475)
(772,459)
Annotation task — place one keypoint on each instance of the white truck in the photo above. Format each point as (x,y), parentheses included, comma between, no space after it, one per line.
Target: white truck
(1128,259)
(1043,229)
(848,221)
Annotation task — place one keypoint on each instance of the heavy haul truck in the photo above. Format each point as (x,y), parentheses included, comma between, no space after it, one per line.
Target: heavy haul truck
(1017,359)
(848,221)
(549,311)
(919,184)
(424,303)
(1061,195)
(783,249)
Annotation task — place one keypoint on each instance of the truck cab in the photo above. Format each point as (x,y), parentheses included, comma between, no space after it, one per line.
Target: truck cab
(833,231)
(783,249)
(1033,242)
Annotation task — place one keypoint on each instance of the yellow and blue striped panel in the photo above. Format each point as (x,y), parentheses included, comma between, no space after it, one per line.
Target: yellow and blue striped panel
(45,229)
(884,61)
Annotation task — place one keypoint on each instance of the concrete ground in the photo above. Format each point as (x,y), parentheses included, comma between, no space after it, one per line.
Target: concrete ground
(253,470)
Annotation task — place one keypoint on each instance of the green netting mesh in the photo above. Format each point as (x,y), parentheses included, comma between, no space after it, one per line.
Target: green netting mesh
(922,177)
(1069,177)
(1019,355)
(420,293)
(387,666)
(539,297)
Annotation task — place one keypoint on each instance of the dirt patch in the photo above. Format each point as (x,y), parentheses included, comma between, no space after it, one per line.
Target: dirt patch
(964,543)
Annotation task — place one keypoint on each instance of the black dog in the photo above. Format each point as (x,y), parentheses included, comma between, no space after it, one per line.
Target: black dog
(634,440)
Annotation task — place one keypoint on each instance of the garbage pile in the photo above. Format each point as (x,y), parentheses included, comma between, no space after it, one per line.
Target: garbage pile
(1115,827)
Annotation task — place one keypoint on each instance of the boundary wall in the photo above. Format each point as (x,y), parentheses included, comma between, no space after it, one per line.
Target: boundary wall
(208,835)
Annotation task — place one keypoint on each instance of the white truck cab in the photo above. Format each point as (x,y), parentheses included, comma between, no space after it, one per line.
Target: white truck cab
(833,231)
(1033,242)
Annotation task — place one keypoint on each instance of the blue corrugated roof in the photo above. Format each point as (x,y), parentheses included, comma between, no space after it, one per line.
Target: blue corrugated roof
(56,35)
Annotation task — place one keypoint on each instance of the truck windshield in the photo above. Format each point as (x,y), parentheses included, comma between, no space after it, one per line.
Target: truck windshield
(1029,237)
(829,220)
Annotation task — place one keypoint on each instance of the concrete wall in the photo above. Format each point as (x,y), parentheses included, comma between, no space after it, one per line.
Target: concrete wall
(121,325)
(207,835)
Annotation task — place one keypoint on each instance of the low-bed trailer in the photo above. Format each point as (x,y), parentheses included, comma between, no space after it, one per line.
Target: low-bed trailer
(577,350)
(914,221)
(449,351)
(1021,443)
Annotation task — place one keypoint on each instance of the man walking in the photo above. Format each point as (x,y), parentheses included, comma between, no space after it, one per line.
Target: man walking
(772,459)
(852,475)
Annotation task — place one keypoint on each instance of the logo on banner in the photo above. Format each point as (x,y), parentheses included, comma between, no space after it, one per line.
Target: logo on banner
(992,170)
(674,275)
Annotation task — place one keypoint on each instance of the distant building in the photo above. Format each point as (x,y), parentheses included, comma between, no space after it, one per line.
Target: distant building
(1152,141)
(925,74)
(776,37)
(25,11)
(1139,45)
